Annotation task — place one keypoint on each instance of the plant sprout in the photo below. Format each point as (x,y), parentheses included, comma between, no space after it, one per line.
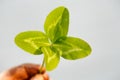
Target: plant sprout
(54,42)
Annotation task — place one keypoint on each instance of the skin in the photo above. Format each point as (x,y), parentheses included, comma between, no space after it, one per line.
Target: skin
(26,71)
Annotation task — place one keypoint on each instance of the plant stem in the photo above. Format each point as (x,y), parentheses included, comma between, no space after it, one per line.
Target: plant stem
(41,67)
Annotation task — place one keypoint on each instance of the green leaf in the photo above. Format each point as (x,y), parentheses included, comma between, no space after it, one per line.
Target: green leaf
(73,48)
(31,41)
(52,57)
(56,23)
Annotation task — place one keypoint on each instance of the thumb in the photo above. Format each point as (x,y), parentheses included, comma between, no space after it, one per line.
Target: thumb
(32,69)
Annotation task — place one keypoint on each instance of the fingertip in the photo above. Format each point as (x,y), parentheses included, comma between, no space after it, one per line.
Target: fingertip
(46,77)
(37,77)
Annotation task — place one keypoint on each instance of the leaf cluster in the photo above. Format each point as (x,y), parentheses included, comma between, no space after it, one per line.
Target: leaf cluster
(54,43)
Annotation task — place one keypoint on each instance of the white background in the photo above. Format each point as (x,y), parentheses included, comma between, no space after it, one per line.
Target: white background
(96,21)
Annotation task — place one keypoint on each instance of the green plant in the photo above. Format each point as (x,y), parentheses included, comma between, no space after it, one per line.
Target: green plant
(54,43)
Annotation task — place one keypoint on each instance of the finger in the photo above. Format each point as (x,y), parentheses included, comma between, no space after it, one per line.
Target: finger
(40,77)
(33,69)
(46,77)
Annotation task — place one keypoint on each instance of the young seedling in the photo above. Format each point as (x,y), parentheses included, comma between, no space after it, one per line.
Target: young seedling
(54,43)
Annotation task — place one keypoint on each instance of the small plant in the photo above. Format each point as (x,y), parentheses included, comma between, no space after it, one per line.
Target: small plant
(54,43)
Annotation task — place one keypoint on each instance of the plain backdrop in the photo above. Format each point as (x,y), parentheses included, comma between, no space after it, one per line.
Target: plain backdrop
(96,21)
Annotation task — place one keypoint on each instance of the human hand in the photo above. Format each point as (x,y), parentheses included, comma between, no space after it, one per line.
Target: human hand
(26,71)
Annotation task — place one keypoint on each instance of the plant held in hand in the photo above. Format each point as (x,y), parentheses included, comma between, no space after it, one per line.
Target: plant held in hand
(54,43)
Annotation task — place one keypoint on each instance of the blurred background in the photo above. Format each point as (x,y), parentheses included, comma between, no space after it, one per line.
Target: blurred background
(96,21)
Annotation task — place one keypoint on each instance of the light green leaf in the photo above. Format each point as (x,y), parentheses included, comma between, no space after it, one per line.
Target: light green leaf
(52,57)
(73,48)
(56,23)
(31,41)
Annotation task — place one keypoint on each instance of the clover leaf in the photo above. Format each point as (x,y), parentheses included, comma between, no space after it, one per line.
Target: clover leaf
(73,48)
(52,57)
(32,41)
(56,23)
(54,43)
